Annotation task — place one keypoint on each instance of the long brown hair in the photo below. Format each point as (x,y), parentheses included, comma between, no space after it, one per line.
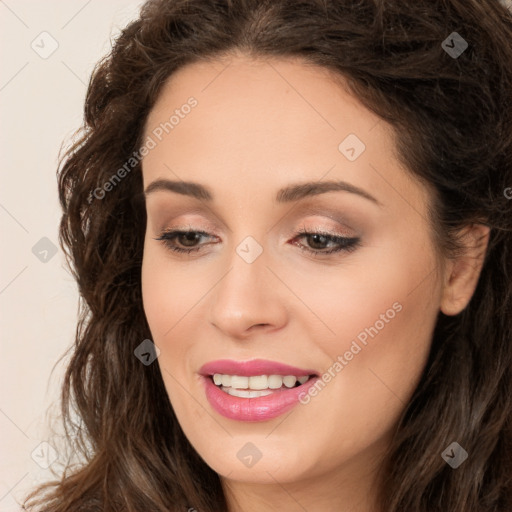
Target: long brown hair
(452,118)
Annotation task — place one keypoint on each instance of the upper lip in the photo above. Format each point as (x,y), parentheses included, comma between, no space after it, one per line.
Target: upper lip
(252,368)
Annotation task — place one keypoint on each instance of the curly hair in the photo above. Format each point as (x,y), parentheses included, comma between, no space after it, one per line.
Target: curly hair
(452,122)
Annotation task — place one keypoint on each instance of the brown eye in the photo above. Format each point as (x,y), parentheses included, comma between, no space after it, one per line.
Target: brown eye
(187,239)
(316,242)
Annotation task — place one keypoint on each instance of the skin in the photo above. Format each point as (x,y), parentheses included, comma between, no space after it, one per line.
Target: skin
(260,125)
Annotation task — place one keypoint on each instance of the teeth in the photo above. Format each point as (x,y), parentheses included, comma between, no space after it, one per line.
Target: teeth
(259,382)
(256,382)
(289,381)
(275,381)
(244,393)
(240,382)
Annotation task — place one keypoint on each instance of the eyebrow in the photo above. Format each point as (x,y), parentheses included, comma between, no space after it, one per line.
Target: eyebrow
(287,194)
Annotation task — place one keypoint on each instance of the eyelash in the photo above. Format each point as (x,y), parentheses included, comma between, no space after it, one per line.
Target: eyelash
(344,243)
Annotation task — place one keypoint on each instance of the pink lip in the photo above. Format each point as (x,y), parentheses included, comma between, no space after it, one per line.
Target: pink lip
(254,409)
(251,368)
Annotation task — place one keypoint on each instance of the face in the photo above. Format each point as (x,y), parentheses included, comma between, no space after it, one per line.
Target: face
(338,280)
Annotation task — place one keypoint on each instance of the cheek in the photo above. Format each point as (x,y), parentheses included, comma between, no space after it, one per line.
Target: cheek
(168,292)
(386,294)
(173,297)
(370,376)
(382,315)
(168,296)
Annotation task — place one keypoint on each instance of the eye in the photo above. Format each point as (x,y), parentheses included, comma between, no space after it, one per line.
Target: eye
(316,240)
(319,238)
(185,237)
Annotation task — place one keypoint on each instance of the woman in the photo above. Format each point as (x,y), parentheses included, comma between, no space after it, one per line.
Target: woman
(290,224)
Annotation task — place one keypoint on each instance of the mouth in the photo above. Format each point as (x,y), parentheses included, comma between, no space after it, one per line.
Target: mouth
(257,385)
(256,390)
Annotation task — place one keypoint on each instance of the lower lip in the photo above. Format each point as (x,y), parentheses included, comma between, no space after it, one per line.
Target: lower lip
(255,409)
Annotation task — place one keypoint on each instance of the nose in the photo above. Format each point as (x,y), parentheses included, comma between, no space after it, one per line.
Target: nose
(248,298)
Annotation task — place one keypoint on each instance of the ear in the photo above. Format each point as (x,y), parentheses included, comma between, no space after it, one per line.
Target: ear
(463,271)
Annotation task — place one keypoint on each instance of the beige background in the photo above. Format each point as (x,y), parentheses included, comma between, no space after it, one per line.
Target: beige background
(41,101)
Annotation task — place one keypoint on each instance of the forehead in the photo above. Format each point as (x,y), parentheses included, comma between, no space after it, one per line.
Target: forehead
(247,98)
(266,123)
